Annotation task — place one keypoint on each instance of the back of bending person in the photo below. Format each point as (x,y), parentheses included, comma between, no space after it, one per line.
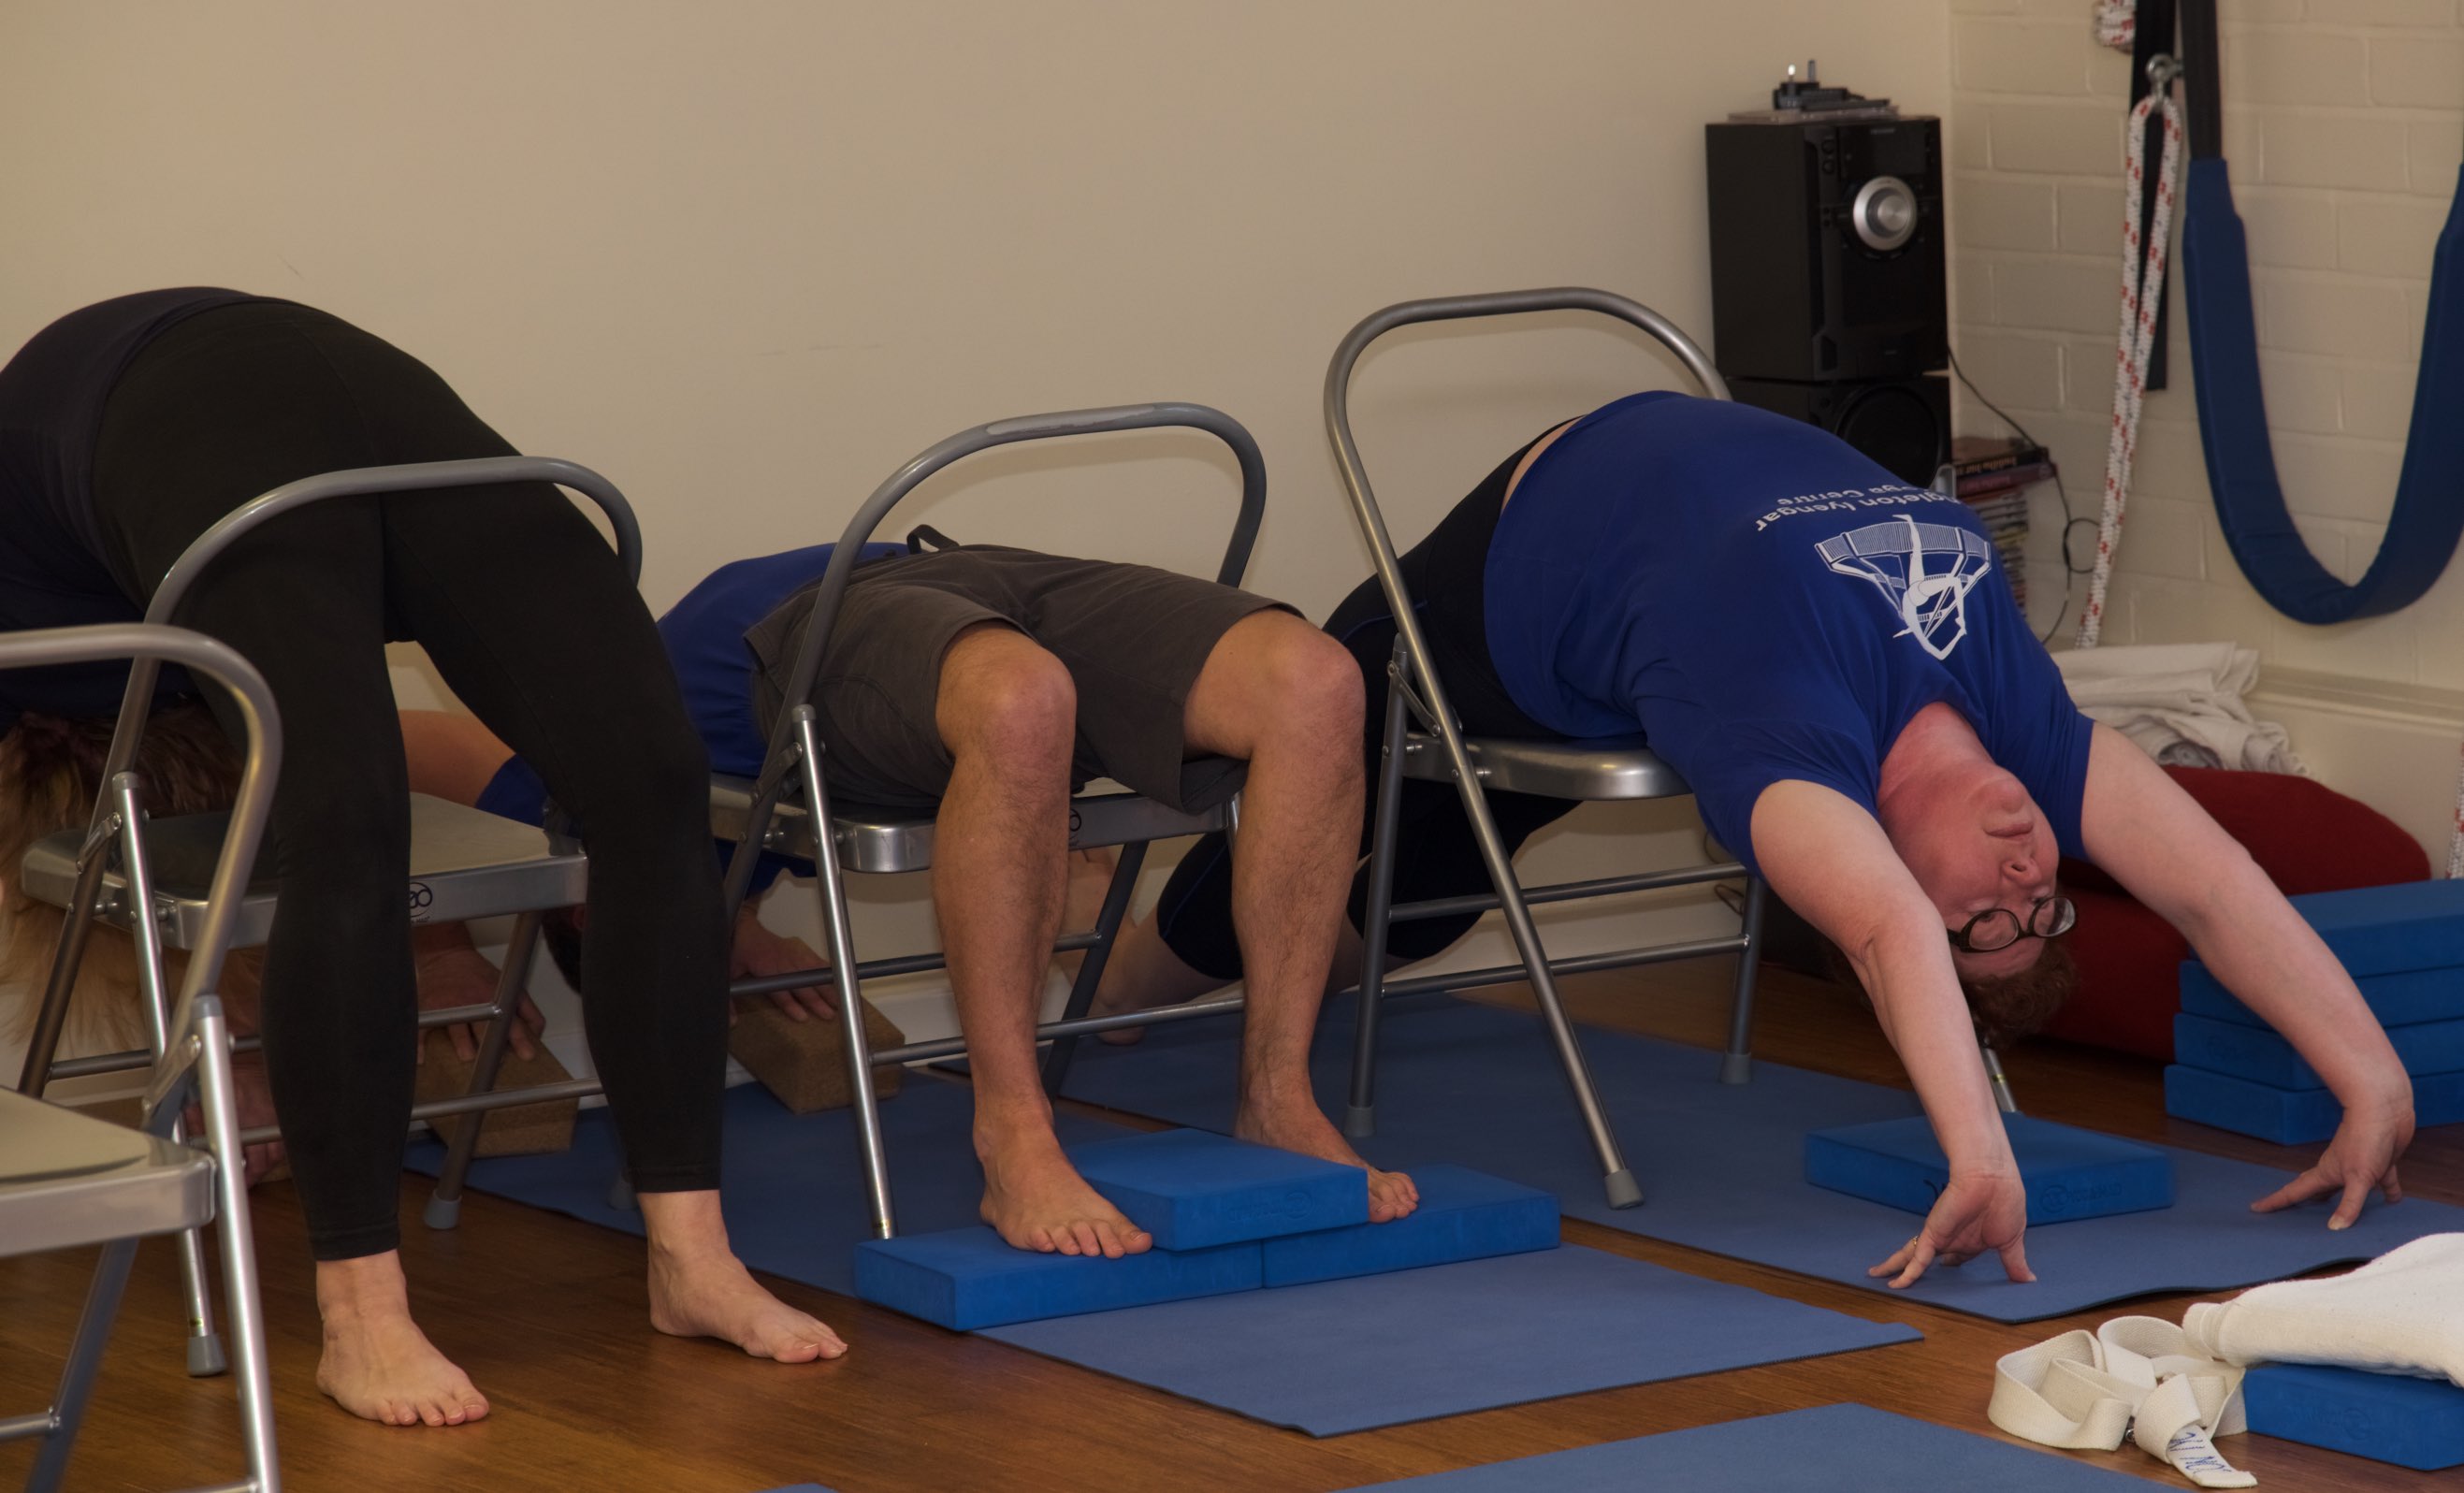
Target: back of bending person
(131,426)
(954,678)
(1834,662)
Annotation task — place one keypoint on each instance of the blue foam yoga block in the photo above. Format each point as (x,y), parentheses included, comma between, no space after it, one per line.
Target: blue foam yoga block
(2259,1055)
(2070,1173)
(2387,1418)
(2408,998)
(965,1279)
(2291,1116)
(1463,1214)
(1194,1189)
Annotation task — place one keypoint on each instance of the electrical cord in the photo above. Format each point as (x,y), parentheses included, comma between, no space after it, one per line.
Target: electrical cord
(2071,570)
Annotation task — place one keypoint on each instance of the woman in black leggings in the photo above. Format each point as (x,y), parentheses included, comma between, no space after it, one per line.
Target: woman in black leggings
(127,430)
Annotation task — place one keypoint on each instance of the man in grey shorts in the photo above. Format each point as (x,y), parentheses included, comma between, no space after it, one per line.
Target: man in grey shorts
(992,683)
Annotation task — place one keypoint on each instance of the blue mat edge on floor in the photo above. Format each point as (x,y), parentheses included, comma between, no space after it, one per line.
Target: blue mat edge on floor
(1747,1446)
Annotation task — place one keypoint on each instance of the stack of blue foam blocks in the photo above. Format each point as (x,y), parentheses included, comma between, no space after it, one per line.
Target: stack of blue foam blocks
(1226,1216)
(2069,1172)
(2404,945)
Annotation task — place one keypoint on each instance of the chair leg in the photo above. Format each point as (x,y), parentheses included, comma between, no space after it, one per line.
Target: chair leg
(832,883)
(2000,1082)
(1091,970)
(1617,1180)
(445,1204)
(254,1378)
(1737,1067)
(85,1359)
(207,1357)
(1360,1114)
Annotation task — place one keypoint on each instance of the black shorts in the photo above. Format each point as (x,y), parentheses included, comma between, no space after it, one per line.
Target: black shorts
(1133,637)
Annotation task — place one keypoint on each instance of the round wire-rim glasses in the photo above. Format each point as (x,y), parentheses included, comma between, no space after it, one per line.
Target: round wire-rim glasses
(1996,929)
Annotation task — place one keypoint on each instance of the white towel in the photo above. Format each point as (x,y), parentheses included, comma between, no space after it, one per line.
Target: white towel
(2400,1313)
(2180,703)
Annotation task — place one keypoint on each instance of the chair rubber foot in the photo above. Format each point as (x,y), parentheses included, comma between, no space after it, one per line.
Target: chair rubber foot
(206,1356)
(619,1196)
(442,1213)
(1623,1191)
(1360,1120)
(1737,1067)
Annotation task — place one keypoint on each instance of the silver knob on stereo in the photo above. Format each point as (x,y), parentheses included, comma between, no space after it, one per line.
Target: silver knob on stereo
(1884,213)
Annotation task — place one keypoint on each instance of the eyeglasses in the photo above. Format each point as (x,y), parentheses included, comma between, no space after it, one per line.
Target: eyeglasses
(1999,928)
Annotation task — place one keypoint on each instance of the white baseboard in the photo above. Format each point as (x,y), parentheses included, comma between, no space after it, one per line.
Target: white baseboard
(2392,746)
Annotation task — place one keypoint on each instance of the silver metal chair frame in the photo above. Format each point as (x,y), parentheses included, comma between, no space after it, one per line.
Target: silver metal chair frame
(78,872)
(862,838)
(171,1188)
(1438,751)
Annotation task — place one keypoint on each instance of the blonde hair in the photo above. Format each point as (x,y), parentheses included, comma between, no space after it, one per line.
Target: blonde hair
(51,770)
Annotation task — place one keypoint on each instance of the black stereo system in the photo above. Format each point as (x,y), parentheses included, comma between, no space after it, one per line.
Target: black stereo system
(1827,278)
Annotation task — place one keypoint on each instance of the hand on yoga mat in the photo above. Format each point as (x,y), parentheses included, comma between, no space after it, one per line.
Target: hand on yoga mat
(1976,1214)
(2362,1156)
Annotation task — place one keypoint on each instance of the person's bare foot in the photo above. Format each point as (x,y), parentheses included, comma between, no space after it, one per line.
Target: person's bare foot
(698,1288)
(377,1364)
(1304,1127)
(452,973)
(715,1296)
(1082,902)
(1034,1199)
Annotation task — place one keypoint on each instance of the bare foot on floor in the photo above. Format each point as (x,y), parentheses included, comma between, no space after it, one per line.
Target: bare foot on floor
(713,1295)
(1304,1127)
(377,1364)
(1034,1199)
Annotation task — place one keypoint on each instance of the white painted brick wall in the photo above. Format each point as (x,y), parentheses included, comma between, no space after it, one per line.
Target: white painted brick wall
(2345,124)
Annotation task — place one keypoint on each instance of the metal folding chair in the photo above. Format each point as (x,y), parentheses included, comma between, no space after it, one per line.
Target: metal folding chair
(789,810)
(68,1179)
(154,879)
(1425,741)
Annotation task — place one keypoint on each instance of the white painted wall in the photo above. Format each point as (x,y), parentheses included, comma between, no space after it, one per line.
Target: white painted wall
(2345,123)
(747,257)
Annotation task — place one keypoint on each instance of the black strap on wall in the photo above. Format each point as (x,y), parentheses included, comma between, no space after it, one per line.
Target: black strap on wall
(2201,81)
(2151,37)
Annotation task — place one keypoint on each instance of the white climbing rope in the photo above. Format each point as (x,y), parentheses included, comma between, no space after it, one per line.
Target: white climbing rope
(2143,292)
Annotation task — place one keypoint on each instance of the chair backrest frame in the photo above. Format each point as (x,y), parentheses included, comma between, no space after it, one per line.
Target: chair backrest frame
(782,752)
(1365,513)
(137,700)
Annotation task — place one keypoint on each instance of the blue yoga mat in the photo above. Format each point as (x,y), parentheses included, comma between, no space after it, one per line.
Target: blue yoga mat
(1721,1166)
(1833,1449)
(1378,1350)
(793,1187)
(1327,1357)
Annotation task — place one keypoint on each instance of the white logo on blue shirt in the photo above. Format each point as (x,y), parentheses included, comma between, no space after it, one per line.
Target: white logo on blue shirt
(1923,570)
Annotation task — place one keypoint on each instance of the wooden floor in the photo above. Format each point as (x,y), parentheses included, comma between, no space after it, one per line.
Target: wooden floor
(547,1314)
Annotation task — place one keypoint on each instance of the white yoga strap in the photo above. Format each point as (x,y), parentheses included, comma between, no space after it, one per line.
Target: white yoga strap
(2134,1377)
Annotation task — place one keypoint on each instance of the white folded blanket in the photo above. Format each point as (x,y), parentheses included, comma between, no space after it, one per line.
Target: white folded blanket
(2400,1313)
(2180,703)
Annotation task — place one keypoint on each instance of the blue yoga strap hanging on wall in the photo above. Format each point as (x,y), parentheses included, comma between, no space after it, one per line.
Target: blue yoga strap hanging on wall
(2429,512)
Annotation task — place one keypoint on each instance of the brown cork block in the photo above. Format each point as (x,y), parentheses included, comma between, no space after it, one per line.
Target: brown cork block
(523,1130)
(804,1063)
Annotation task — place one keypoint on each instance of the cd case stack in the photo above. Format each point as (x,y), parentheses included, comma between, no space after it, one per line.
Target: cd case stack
(1993,478)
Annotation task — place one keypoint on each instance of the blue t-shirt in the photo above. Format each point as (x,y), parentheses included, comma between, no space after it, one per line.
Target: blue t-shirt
(1764,604)
(704,634)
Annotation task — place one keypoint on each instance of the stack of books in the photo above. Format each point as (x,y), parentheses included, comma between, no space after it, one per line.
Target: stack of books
(1993,477)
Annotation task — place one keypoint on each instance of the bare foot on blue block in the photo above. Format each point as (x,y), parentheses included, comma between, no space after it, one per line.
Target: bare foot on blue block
(376,1363)
(1034,1199)
(1305,1129)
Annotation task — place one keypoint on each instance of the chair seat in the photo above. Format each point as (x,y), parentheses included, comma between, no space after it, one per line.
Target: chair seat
(874,838)
(69,1180)
(1594,769)
(464,863)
